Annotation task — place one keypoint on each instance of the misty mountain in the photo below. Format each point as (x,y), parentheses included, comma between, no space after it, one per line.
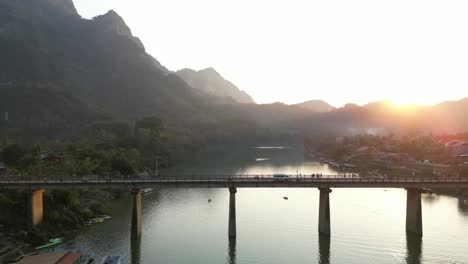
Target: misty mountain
(317,106)
(98,61)
(212,83)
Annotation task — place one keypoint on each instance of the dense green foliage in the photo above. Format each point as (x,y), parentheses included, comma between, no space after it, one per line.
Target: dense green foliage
(66,211)
(106,149)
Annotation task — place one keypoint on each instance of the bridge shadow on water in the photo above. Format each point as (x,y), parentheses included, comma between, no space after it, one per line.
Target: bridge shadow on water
(413,249)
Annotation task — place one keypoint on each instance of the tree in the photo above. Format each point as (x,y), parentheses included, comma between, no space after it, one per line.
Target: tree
(121,164)
(13,155)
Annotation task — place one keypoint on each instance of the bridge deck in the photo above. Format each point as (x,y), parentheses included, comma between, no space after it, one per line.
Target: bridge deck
(238,182)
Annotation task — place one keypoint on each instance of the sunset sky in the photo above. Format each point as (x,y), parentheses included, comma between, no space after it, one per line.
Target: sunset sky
(292,51)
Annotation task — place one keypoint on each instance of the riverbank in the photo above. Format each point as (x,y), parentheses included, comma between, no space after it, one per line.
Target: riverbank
(65,214)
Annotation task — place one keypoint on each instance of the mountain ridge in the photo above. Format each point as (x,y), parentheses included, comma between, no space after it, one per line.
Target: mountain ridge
(316,106)
(211,82)
(107,72)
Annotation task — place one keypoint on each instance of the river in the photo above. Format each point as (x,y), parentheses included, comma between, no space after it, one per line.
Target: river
(180,226)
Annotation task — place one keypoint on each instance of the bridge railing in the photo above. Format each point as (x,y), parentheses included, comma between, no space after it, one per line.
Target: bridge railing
(319,178)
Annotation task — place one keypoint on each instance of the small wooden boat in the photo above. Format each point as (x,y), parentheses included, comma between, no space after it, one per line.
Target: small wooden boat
(52,242)
(285,197)
(105,217)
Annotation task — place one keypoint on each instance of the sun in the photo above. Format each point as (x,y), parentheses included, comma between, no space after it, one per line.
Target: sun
(411,100)
(403,105)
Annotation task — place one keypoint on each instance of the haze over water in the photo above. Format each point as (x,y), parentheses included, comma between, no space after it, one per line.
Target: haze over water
(368,225)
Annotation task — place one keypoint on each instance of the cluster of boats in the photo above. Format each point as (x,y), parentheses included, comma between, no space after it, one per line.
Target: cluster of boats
(84,258)
(53,246)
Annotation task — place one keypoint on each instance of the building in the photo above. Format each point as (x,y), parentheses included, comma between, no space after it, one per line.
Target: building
(394,157)
(457,147)
(52,258)
(367,150)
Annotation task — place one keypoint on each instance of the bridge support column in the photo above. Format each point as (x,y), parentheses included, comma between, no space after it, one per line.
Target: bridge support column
(413,212)
(36,207)
(324,212)
(136,214)
(232,212)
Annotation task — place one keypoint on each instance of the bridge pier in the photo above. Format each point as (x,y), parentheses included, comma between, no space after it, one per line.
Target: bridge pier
(36,207)
(136,215)
(232,212)
(413,212)
(324,212)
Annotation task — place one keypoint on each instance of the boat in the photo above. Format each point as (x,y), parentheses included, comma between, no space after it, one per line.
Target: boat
(105,217)
(112,260)
(52,242)
(285,197)
(209,200)
(147,190)
(97,220)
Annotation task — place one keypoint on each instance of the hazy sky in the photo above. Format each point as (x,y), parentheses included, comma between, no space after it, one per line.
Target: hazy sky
(291,51)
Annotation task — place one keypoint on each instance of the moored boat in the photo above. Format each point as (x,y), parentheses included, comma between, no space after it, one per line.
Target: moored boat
(112,260)
(52,242)
(147,190)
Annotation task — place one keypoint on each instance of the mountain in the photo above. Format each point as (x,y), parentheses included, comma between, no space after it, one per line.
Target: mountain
(211,82)
(43,111)
(316,106)
(60,73)
(97,61)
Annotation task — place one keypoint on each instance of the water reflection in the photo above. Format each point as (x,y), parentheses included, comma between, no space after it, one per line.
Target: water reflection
(463,206)
(176,220)
(324,249)
(414,249)
(232,251)
(135,249)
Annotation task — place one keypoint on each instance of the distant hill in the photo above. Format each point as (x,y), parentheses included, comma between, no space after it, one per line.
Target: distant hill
(384,117)
(316,106)
(212,83)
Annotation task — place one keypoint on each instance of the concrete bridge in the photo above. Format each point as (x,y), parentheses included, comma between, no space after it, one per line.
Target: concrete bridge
(325,183)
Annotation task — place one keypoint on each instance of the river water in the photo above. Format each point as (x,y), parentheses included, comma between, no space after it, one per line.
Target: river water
(180,226)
